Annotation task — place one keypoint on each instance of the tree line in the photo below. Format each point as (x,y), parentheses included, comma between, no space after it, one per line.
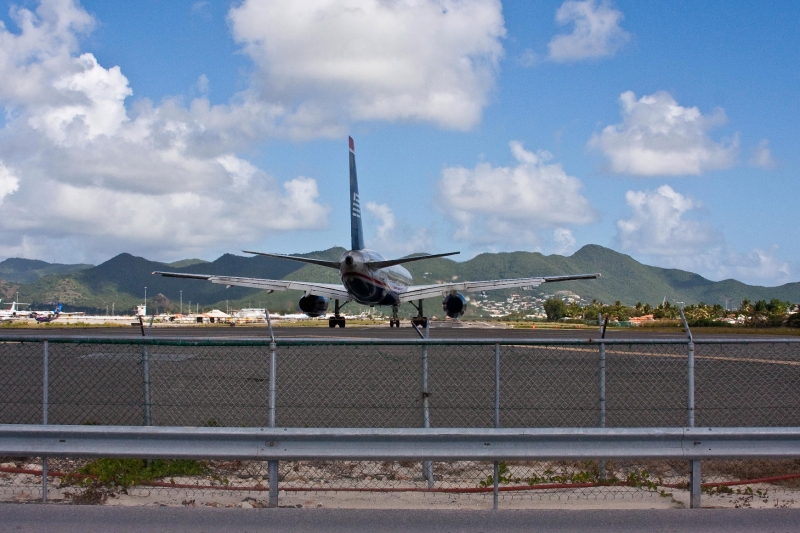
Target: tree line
(759,313)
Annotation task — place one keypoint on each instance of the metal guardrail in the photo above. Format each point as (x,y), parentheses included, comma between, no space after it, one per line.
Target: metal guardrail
(287,444)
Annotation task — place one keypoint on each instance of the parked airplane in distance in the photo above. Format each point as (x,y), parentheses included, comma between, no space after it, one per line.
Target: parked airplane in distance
(14,311)
(369,279)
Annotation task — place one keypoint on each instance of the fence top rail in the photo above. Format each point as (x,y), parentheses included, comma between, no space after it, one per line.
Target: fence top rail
(318,341)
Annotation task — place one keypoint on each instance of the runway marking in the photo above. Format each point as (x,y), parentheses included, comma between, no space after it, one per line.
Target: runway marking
(169,357)
(670,356)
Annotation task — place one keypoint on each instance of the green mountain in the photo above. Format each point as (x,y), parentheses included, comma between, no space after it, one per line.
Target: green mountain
(186,262)
(122,280)
(20,270)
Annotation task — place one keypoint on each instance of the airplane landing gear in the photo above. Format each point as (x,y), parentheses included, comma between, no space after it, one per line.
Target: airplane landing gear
(337,319)
(394,321)
(419,320)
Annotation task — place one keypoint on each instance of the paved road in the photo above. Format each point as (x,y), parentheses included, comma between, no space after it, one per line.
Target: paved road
(79,519)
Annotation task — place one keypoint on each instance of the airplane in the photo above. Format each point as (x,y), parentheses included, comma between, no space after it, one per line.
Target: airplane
(14,311)
(47,316)
(369,279)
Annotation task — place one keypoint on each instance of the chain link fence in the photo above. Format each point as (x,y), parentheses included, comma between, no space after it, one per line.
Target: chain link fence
(381,384)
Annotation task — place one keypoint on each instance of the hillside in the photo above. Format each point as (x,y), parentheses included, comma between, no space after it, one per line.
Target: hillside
(18,270)
(122,280)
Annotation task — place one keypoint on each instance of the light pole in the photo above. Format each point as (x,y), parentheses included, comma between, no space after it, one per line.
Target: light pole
(181,301)
(145,301)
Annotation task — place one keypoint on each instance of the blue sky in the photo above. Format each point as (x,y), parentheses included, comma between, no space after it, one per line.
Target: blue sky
(172,129)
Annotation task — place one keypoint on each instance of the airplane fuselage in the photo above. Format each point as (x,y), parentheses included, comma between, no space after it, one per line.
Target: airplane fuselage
(369,286)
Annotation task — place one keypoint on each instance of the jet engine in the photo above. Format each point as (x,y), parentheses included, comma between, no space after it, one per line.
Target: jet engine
(454,305)
(314,305)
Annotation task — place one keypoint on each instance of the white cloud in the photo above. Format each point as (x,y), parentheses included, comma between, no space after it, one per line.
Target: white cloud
(658,227)
(564,240)
(762,156)
(508,206)
(9,183)
(597,31)
(330,62)
(659,137)
(162,180)
(659,230)
(92,103)
(394,240)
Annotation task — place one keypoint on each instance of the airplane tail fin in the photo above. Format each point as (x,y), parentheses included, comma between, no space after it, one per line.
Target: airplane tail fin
(356,231)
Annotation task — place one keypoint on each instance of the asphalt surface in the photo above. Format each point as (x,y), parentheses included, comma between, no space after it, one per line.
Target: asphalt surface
(80,519)
(469,330)
(379,386)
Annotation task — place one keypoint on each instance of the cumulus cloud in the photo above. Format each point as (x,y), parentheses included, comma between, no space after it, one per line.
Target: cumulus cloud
(394,240)
(659,229)
(508,206)
(162,180)
(564,240)
(8,182)
(659,137)
(762,156)
(596,32)
(329,62)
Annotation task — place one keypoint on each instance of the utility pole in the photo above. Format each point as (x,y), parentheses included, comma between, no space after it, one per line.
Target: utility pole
(145,301)
(181,301)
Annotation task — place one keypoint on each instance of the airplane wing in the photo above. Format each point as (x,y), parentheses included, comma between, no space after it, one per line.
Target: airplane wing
(328,290)
(418,292)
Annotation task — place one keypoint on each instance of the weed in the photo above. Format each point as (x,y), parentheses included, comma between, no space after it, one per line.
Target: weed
(123,473)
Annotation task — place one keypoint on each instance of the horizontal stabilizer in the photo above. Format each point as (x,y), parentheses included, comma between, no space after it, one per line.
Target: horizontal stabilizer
(320,262)
(392,262)
(550,279)
(181,275)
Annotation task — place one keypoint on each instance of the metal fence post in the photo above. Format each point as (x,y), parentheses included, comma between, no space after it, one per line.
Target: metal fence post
(601,394)
(695,487)
(496,491)
(427,466)
(45,406)
(148,421)
(272,466)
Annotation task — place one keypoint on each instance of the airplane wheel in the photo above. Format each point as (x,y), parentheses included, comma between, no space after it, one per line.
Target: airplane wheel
(331,322)
(342,323)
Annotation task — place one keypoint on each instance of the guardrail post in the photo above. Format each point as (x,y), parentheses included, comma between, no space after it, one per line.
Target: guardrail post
(496,490)
(45,406)
(427,466)
(695,487)
(272,466)
(601,394)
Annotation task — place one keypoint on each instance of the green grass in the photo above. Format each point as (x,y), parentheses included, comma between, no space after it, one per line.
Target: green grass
(127,472)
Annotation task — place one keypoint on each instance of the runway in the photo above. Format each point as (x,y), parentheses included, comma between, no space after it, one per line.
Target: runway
(439,330)
(325,385)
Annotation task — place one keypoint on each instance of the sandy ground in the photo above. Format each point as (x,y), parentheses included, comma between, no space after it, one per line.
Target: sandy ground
(27,488)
